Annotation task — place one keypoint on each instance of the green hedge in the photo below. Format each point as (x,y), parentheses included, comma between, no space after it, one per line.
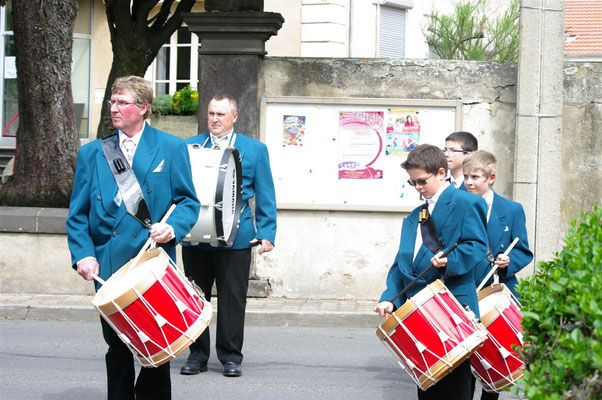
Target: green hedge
(562,318)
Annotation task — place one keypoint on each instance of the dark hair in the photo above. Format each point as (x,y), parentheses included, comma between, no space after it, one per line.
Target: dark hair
(427,157)
(466,139)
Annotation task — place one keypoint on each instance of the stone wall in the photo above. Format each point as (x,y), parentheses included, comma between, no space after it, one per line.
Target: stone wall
(343,254)
(339,254)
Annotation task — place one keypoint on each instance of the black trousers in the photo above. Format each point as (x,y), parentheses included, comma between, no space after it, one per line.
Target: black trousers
(484,394)
(230,271)
(455,386)
(152,383)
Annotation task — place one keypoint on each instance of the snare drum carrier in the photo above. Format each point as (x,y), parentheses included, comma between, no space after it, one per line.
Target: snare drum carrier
(217,178)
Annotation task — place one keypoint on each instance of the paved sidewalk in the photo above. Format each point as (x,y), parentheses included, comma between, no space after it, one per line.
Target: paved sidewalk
(260,311)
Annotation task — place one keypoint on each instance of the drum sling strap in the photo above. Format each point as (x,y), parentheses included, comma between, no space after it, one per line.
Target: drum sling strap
(129,188)
(429,235)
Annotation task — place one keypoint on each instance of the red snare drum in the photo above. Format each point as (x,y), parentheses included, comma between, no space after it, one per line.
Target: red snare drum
(431,334)
(496,364)
(153,308)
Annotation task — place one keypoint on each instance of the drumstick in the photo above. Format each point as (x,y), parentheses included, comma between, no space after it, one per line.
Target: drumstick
(495,266)
(98,279)
(405,289)
(150,239)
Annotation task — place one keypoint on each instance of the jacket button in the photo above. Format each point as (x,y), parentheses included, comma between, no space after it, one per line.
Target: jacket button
(501,246)
(98,197)
(114,234)
(135,234)
(148,190)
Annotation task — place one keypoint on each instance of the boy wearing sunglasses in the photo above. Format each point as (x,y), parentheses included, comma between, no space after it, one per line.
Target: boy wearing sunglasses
(457,217)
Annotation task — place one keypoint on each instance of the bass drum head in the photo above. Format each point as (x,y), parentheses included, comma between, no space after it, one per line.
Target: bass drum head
(229,193)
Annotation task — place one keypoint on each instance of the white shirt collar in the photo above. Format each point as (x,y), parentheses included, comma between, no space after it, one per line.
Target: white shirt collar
(135,138)
(489,198)
(433,200)
(226,138)
(457,181)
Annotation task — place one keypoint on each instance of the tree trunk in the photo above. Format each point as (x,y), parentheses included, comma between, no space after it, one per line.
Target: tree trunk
(47,138)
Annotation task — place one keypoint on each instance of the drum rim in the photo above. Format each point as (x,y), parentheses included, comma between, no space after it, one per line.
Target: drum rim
(411,305)
(128,296)
(504,302)
(219,190)
(496,387)
(183,342)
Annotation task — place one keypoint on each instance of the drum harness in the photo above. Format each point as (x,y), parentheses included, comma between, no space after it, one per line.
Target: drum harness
(431,240)
(129,188)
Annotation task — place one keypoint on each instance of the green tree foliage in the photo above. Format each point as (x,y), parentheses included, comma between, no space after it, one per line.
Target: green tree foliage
(471,34)
(562,318)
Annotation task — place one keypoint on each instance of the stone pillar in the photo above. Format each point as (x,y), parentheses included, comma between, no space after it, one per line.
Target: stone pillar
(232,45)
(538,142)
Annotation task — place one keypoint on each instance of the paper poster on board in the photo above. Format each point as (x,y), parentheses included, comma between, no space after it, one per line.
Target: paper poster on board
(403,131)
(293,130)
(360,144)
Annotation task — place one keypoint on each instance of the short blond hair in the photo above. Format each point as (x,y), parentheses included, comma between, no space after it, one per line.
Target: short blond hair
(140,88)
(482,161)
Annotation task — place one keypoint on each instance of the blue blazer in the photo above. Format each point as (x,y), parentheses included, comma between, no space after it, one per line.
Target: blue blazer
(97,226)
(459,217)
(506,222)
(257,182)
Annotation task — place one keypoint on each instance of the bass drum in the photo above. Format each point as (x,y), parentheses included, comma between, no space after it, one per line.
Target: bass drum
(217,177)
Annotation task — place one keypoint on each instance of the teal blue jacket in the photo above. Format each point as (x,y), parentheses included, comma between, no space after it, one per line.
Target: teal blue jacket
(506,222)
(98,227)
(459,217)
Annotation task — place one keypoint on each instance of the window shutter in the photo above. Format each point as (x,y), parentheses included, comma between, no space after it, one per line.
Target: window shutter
(391,36)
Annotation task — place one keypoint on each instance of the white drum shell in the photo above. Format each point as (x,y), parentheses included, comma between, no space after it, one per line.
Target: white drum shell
(217,178)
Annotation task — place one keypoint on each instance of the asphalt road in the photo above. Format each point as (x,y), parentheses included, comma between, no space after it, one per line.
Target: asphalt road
(64,360)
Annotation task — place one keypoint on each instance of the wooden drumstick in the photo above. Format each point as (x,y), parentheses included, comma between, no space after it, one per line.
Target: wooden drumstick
(423,273)
(514,242)
(98,279)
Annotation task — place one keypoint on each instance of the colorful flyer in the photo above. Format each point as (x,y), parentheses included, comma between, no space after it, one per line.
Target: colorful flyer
(293,130)
(360,144)
(403,131)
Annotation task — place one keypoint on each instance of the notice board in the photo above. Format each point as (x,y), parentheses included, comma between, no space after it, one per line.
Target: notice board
(345,153)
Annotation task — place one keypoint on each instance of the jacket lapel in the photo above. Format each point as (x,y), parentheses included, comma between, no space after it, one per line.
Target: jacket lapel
(145,154)
(107,186)
(497,223)
(443,209)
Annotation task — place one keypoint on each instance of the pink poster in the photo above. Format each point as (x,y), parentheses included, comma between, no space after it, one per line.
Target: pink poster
(360,144)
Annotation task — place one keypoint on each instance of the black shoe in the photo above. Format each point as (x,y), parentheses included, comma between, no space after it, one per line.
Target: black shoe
(193,367)
(232,369)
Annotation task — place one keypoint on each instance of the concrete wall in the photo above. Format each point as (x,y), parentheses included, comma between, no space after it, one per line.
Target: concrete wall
(580,174)
(341,254)
(338,254)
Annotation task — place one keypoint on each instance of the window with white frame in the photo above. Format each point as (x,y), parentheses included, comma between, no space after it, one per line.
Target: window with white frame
(391,31)
(176,64)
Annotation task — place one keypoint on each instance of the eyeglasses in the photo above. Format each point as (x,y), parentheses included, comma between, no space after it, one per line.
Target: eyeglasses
(420,182)
(120,104)
(450,152)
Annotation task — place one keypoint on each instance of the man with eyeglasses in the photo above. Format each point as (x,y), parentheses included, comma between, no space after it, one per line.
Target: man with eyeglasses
(457,146)
(102,233)
(457,217)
